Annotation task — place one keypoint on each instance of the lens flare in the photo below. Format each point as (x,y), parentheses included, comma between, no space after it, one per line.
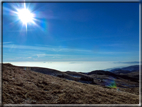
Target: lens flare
(110,83)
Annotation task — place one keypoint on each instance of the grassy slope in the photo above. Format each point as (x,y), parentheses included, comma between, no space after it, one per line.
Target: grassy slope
(20,86)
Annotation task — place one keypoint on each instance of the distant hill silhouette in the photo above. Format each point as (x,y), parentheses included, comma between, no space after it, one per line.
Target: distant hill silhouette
(111,74)
(126,69)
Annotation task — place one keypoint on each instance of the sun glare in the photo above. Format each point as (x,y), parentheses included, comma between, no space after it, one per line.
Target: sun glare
(25,16)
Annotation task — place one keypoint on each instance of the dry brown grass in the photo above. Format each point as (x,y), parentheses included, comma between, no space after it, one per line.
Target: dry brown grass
(29,87)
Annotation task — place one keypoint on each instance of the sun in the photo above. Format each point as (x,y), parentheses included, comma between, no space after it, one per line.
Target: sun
(25,16)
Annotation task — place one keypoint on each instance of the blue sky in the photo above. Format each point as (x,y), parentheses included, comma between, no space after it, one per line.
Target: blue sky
(72,32)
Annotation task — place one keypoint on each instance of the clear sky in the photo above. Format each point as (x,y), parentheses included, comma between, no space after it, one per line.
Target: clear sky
(72,32)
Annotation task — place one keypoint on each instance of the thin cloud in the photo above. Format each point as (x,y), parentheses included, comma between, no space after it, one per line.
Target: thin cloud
(113,53)
(21,30)
(119,45)
(7,42)
(44,48)
(41,55)
(114,45)
(131,62)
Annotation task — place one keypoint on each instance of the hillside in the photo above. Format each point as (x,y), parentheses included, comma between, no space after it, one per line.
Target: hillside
(29,87)
(130,72)
(125,70)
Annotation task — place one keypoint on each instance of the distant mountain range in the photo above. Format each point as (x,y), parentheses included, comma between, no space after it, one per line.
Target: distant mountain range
(128,69)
